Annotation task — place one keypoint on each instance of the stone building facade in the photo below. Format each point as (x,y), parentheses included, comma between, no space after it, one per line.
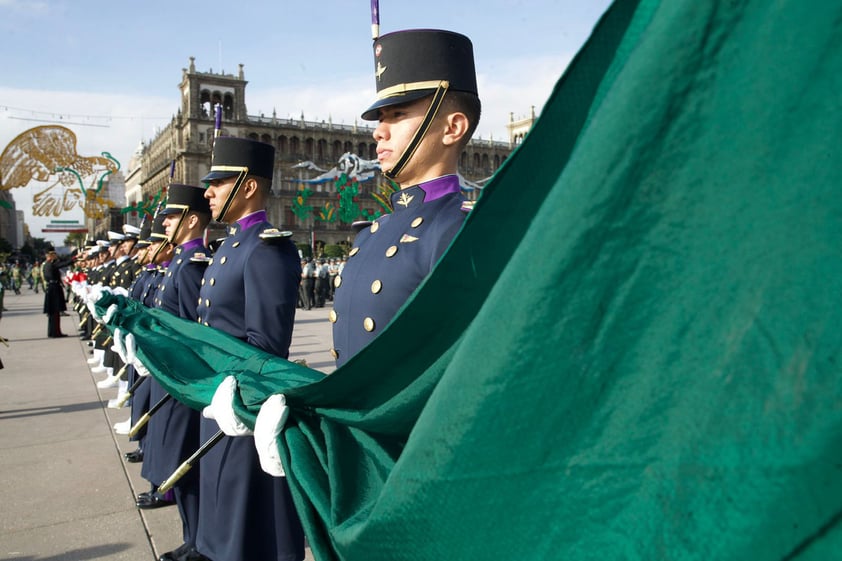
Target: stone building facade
(188,140)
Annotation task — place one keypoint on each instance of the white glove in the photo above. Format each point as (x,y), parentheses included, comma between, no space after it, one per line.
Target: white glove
(118,347)
(120,291)
(93,297)
(269,424)
(222,411)
(132,358)
(109,313)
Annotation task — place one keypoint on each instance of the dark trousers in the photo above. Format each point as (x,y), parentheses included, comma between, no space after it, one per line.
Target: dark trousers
(309,295)
(187,499)
(53,324)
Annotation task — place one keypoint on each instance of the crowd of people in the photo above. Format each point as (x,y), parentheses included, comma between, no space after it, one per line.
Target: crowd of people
(318,278)
(14,274)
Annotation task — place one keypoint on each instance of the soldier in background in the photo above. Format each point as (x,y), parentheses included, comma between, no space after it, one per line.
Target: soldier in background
(308,283)
(54,303)
(320,288)
(37,277)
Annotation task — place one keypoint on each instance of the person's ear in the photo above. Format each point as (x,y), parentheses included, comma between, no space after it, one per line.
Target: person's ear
(455,128)
(249,187)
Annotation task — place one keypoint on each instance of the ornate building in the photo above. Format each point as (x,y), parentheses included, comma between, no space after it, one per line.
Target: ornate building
(188,139)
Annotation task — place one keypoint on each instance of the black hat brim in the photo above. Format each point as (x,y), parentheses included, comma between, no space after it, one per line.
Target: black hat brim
(372,113)
(214,175)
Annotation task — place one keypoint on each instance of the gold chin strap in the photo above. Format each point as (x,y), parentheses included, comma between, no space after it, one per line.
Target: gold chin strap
(237,184)
(157,251)
(432,111)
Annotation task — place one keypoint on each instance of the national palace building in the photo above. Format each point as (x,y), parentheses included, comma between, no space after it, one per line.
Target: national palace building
(188,140)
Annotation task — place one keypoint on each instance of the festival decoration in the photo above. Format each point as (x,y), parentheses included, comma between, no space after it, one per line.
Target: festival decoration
(346,176)
(47,154)
(347,189)
(149,207)
(328,213)
(300,208)
(349,172)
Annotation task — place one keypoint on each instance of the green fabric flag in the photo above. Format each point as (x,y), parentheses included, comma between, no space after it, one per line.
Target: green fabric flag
(631,351)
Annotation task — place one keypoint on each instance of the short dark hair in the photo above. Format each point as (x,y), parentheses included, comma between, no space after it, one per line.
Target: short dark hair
(204,217)
(463,102)
(264,184)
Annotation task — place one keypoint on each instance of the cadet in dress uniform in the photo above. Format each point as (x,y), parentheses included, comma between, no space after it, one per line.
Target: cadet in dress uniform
(173,431)
(248,291)
(427,107)
(127,269)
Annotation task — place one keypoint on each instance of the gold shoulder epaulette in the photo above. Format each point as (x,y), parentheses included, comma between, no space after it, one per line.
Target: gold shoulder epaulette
(200,258)
(274,234)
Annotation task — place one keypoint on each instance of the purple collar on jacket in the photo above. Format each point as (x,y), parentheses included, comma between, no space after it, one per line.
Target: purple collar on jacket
(439,187)
(191,245)
(247,222)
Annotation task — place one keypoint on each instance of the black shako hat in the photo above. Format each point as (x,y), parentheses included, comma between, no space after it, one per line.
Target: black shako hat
(411,64)
(145,232)
(157,232)
(182,198)
(233,156)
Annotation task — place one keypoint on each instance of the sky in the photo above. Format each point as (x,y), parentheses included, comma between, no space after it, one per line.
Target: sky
(109,71)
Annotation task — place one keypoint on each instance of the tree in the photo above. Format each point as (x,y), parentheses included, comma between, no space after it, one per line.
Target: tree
(27,250)
(304,249)
(5,246)
(332,250)
(41,245)
(75,239)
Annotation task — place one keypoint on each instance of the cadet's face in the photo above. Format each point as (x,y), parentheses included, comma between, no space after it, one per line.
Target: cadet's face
(165,254)
(217,193)
(393,134)
(170,223)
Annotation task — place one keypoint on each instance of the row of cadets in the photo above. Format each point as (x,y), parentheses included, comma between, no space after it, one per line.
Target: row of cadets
(159,252)
(149,239)
(173,432)
(102,362)
(248,291)
(117,276)
(121,280)
(89,266)
(427,104)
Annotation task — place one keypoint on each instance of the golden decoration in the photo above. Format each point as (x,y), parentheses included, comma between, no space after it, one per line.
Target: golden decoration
(405,199)
(47,154)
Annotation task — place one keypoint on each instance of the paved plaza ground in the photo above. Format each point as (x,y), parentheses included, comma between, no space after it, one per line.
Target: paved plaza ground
(66,493)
